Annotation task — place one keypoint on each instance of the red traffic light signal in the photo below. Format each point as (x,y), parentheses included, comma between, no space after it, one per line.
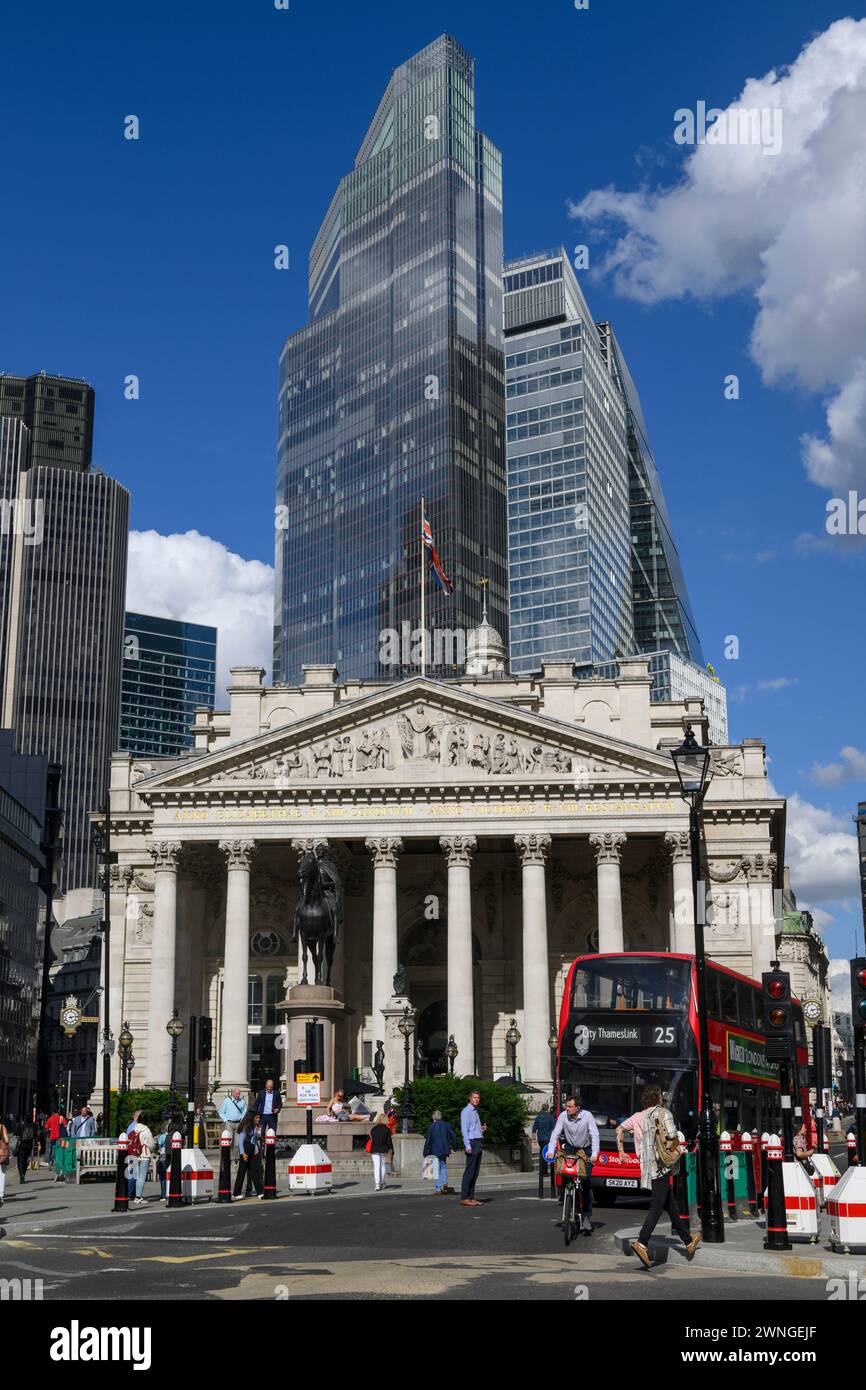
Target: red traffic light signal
(777,1015)
(858,991)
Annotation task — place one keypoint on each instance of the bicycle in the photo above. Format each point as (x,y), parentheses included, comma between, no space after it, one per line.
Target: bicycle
(572,1198)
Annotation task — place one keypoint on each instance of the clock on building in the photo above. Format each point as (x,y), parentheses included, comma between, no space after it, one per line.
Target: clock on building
(70,1015)
(812,1011)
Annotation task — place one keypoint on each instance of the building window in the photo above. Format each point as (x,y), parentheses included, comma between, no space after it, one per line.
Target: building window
(254,1001)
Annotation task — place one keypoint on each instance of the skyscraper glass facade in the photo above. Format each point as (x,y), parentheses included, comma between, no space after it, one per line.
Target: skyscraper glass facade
(169,668)
(395,389)
(663,618)
(568,495)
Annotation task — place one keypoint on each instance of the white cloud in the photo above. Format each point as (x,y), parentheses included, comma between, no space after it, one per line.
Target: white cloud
(198,580)
(788,228)
(821,852)
(851,768)
(778,683)
(840,984)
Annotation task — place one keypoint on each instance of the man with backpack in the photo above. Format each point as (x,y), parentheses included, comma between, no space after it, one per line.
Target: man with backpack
(657,1144)
(140,1145)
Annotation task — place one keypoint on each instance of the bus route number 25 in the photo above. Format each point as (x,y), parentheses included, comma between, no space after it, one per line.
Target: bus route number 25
(664,1034)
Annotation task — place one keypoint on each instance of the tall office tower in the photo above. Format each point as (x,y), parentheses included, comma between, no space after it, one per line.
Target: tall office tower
(169,668)
(569,537)
(860,821)
(61,644)
(22,811)
(395,389)
(58,411)
(663,618)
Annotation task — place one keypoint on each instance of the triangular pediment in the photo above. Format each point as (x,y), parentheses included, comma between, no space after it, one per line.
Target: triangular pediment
(414,731)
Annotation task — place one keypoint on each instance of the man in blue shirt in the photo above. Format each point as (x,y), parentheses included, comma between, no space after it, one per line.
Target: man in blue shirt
(473,1134)
(233,1108)
(269,1104)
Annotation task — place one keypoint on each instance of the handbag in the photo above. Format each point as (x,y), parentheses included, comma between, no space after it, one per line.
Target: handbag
(427,1167)
(4,1151)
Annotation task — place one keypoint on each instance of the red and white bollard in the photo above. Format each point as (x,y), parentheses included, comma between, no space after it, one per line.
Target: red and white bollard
(224,1191)
(851,1137)
(747,1144)
(269,1190)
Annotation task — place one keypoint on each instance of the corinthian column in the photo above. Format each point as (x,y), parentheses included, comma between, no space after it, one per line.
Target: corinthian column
(384,849)
(608,852)
(461,1007)
(682,930)
(533,851)
(165,855)
(234,1063)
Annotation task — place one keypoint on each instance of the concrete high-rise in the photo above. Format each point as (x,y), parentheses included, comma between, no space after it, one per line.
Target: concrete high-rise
(58,412)
(64,544)
(169,668)
(395,389)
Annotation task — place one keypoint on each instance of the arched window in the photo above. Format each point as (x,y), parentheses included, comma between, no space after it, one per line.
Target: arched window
(254,1001)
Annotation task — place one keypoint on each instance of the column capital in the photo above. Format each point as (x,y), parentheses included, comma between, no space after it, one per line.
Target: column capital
(533,849)
(238,853)
(384,849)
(679,846)
(608,847)
(165,855)
(120,877)
(459,849)
(759,866)
(308,845)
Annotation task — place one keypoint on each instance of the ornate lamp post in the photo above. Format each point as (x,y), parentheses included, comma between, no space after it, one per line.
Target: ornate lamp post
(553,1044)
(451,1052)
(692,765)
(174,1028)
(127,1061)
(512,1037)
(407,1027)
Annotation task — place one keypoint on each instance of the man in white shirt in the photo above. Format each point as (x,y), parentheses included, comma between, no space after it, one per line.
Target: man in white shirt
(576,1129)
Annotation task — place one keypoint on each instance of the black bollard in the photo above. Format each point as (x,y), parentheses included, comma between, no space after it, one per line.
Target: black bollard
(269,1190)
(121,1186)
(175,1185)
(729,1168)
(777,1223)
(224,1191)
(541,1167)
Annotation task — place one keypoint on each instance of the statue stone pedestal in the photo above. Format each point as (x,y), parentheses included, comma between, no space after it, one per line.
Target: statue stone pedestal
(394,1044)
(320,1004)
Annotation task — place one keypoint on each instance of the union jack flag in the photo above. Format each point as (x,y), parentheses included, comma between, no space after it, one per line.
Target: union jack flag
(436,569)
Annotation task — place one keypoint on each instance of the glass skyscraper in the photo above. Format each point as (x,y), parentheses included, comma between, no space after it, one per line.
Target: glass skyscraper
(169,668)
(569,537)
(395,389)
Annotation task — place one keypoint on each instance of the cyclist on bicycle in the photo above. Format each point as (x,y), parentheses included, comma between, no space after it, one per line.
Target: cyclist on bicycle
(576,1129)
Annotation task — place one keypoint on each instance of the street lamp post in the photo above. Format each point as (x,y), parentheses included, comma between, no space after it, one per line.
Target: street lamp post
(692,765)
(101,837)
(512,1037)
(407,1027)
(174,1028)
(553,1044)
(451,1052)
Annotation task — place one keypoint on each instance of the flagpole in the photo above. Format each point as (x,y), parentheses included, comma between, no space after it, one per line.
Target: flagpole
(423,625)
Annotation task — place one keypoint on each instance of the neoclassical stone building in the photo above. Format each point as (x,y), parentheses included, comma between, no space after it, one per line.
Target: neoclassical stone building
(487,829)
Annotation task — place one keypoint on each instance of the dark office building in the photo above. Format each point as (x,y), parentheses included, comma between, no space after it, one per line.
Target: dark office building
(860,820)
(395,390)
(22,811)
(63,578)
(58,412)
(169,668)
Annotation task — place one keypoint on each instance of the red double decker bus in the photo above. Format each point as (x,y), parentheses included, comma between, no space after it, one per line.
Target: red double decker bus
(630,1020)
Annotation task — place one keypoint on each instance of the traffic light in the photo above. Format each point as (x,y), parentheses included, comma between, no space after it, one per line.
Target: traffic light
(777,1015)
(858,991)
(205,1039)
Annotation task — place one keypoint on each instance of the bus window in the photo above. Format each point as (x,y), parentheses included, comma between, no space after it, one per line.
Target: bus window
(746,1000)
(712,994)
(728,998)
(748,1109)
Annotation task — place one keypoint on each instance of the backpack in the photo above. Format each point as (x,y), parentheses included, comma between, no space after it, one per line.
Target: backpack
(133,1144)
(666,1149)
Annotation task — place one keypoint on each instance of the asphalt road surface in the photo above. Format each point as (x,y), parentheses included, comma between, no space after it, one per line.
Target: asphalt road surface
(357,1244)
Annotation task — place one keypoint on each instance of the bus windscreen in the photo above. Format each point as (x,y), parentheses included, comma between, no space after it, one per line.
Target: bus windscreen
(627,983)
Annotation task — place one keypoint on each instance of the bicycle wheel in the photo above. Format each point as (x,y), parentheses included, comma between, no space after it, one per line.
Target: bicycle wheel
(568,1206)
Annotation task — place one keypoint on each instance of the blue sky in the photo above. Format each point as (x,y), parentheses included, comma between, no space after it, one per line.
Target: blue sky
(155,257)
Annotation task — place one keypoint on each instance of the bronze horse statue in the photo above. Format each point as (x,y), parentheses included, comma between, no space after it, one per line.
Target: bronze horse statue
(318,914)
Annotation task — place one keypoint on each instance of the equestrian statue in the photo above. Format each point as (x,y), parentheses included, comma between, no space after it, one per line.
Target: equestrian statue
(318,918)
